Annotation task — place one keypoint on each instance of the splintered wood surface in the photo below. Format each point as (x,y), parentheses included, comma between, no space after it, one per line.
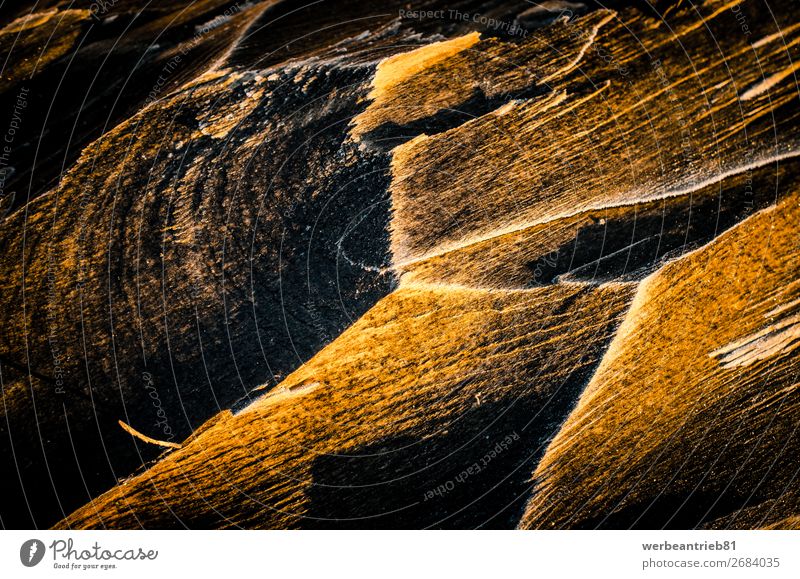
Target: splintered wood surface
(392,415)
(354,269)
(632,116)
(692,415)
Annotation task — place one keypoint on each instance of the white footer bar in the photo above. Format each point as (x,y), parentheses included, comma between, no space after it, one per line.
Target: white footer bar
(414,554)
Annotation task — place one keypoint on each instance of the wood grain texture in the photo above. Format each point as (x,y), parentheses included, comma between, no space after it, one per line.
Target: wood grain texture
(167,276)
(666,434)
(391,411)
(364,269)
(614,128)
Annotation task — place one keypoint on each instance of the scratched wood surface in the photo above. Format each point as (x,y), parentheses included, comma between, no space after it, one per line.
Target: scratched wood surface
(379,271)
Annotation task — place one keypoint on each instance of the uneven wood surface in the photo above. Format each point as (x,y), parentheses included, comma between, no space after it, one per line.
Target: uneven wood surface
(339,257)
(706,423)
(378,427)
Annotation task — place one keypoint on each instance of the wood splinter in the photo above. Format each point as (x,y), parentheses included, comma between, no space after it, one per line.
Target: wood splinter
(130,430)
